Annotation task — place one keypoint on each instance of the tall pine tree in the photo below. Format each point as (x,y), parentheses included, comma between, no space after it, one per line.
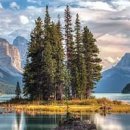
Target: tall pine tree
(80,68)
(92,61)
(59,60)
(18,91)
(48,63)
(70,48)
(32,71)
(46,72)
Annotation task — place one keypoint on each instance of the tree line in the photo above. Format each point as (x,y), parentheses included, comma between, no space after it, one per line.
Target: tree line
(61,62)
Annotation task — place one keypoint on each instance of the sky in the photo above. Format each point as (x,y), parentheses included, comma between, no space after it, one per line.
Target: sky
(108,20)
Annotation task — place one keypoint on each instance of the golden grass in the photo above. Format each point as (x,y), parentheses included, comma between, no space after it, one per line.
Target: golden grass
(75,106)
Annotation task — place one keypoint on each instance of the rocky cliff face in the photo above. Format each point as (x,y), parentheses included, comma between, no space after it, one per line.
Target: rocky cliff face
(9,56)
(10,65)
(22,44)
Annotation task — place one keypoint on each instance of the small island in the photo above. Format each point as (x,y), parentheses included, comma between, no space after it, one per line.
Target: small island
(126,89)
(74,106)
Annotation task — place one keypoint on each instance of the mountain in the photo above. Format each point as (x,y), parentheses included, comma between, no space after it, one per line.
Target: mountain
(115,79)
(9,56)
(22,44)
(10,64)
(7,88)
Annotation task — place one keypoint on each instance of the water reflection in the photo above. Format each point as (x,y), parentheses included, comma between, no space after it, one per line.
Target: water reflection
(23,121)
(107,123)
(19,122)
(37,122)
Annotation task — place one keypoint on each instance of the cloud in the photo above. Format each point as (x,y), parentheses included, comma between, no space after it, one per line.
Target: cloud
(1,7)
(39,2)
(24,19)
(32,1)
(31,7)
(118,39)
(14,5)
(121,4)
(97,5)
(112,47)
(110,59)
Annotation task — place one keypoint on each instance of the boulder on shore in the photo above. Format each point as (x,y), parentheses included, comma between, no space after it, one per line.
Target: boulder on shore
(76,124)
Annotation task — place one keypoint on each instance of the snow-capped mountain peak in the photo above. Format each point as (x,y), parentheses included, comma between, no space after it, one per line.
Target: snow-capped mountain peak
(125,61)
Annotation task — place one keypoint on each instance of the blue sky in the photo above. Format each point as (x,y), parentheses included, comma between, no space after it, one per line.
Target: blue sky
(109,20)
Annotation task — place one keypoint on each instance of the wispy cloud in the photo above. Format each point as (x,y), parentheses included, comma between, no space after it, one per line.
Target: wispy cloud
(14,5)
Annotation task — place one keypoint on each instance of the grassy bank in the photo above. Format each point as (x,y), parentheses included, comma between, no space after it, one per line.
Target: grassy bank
(74,106)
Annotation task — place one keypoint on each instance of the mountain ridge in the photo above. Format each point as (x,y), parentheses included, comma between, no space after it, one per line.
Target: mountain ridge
(115,79)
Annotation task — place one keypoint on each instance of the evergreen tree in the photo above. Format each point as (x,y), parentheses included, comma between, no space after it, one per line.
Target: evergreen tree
(26,79)
(48,62)
(18,91)
(32,73)
(46,72)
(59,62)
(70,47)
(80,68)
(92,61)
(47,20)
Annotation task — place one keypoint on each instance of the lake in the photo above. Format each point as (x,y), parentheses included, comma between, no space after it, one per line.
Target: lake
(114,96)
(13,121)
(22,121)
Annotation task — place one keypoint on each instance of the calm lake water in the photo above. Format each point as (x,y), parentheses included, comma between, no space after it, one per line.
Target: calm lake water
(114,96)
(13,121)
(22,121)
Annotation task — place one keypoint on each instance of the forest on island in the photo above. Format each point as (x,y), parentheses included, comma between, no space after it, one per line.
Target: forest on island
(62,60)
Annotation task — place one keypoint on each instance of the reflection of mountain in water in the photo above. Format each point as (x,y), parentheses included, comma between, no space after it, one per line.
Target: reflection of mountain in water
(107,123)
(19,122)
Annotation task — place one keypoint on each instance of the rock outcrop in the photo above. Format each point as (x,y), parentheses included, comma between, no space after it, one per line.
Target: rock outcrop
(76,124)
(9,56)
(22,44)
